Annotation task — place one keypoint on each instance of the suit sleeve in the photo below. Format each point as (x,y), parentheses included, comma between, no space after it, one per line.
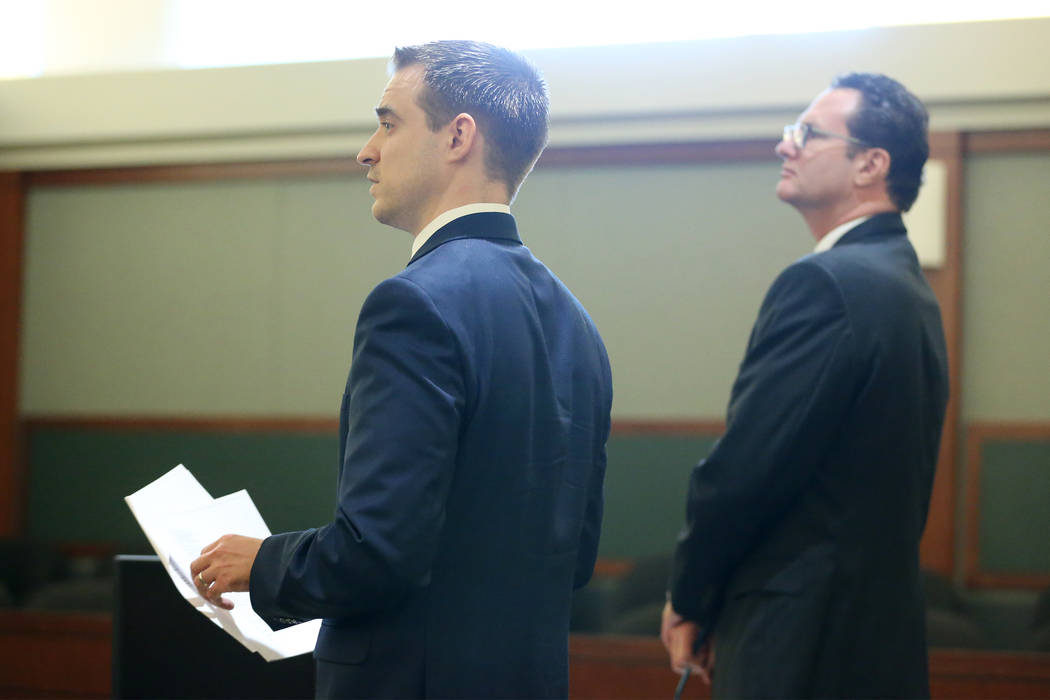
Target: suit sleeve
(601,411)
(405,397)
(592,518)
(794,383)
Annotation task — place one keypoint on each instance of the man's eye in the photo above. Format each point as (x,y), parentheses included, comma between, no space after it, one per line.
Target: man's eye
(386,126)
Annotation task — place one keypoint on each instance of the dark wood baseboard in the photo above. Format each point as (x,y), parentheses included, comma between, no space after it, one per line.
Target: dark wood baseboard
(55,655)
(64,655)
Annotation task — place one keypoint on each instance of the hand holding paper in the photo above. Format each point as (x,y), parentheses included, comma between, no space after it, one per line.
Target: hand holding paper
(225,566)
(182,521)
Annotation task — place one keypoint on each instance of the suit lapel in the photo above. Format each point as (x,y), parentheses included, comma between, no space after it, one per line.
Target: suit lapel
(488,225)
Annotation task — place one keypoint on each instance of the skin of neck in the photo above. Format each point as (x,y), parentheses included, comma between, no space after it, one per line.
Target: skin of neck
(822,220)
(470,189)
(467,182)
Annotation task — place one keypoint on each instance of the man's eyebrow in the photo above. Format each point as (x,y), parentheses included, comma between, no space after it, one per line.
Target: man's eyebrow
(383,112)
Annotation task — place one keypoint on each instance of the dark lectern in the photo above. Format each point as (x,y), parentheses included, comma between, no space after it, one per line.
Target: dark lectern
(163,648)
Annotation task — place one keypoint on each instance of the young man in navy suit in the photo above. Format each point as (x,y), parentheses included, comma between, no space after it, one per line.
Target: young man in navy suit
(797,571)
(473,426)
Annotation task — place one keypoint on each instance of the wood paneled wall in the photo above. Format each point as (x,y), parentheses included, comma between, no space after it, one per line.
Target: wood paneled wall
(939,543)
(12,235)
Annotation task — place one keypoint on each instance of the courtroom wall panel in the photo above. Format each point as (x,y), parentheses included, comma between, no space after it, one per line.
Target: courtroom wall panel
(1006,306)
(80,471)
(240,297)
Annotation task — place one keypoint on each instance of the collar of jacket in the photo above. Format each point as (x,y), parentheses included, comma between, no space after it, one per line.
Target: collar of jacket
(882,225)
(490,225)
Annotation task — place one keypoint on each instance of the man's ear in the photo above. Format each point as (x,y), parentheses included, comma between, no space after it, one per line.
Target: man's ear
(462,136)
(873,166)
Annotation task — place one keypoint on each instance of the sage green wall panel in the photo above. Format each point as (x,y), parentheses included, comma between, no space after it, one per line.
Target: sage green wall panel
(131,305)
(78,479)
(200,298)
(1015,506)
(672,263)
(1006,288)
(645,486)
(240,297)
(332,254)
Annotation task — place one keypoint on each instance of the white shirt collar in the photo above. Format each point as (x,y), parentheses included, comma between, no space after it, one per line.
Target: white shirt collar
(452,215)
(838,232)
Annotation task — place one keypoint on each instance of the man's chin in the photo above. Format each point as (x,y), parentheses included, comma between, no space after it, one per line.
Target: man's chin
(380,214)
(388,218)
(785,192)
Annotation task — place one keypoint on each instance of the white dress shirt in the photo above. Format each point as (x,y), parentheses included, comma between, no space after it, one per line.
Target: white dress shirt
(452,215)
(838,232)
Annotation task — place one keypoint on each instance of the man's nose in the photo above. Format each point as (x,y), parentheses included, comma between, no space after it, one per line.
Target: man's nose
(785,149)
(368,155)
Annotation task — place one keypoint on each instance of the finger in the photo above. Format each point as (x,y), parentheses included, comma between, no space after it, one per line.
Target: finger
(211,547)
(198,565)
(201,583)
(674,660)
(680,651)
(214,596)
(706,662)
(212,593)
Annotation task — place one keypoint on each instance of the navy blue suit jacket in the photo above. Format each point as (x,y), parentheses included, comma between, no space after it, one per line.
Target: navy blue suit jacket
(801,546)
(472,439)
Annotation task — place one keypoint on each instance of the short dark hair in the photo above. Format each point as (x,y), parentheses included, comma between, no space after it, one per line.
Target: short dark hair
(500,89)
(890,117)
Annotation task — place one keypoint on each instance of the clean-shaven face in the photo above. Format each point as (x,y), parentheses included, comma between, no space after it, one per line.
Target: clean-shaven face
(403,156)
(820,176)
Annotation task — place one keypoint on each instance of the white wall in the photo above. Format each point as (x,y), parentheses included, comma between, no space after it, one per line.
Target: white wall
(978,75)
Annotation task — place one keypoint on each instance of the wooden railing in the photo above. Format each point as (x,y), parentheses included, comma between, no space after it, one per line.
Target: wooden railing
(61,655)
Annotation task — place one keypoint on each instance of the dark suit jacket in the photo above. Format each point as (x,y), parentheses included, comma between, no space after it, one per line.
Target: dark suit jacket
(801,546)
(473,434)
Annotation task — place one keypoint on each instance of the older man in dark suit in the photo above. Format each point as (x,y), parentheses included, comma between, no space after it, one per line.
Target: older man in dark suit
(797,572)
(473,427)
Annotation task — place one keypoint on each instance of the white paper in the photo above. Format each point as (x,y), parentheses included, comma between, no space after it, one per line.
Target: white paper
(179,518)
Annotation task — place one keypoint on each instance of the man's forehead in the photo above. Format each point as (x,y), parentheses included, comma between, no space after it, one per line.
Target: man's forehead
(402,87)
(834,104)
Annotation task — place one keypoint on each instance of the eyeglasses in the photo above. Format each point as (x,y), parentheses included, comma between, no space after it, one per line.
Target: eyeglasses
(800,134)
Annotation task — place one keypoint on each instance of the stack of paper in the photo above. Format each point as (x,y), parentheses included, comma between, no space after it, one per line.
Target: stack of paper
(180,518)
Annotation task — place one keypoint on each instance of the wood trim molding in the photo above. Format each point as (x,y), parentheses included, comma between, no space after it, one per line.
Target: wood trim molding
(175,424)
(1022,141)
(942,144)
(313,425)
(666,153)
(976,435)
(658,426)
(937,549)
(558,156)
(12,238)
(194,173)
